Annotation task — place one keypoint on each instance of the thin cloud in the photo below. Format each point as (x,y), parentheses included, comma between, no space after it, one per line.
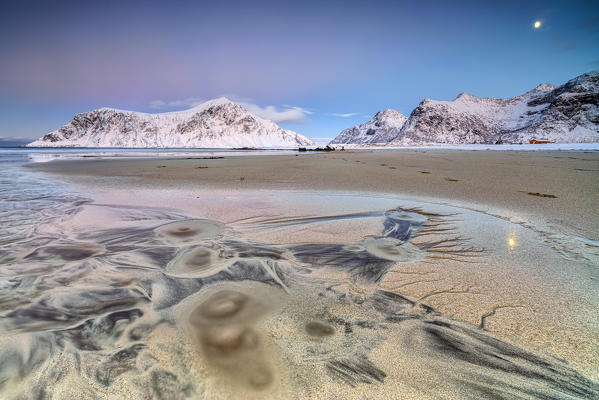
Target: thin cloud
(289,114)
(157,104)
(590,25)
(566,45)
(285,113)
(344,115)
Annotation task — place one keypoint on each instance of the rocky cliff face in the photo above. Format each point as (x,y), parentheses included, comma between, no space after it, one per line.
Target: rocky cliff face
(218,123)
(382,128)
(564,114)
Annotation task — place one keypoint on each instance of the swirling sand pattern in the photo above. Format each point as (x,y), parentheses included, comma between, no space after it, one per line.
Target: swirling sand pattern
(88,314)
(166,307)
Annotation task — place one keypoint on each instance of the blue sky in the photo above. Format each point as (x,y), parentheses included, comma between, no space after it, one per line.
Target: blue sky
(315,67)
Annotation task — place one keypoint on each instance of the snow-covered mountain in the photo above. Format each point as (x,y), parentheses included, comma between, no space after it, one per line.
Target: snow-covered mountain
(382,128)
(218,123)
(564,114)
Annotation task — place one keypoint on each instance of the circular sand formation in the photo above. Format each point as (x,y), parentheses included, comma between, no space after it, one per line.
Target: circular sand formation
(392,249)
(319,329)
(224,326)
(198,262)
(71,252)
(226,343)
(260,377)
(190,231)
(219,308)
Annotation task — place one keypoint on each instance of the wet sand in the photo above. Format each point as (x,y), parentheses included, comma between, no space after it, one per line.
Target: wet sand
(509,183)
(489,259)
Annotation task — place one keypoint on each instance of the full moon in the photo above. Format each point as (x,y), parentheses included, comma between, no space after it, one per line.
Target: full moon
(537,24)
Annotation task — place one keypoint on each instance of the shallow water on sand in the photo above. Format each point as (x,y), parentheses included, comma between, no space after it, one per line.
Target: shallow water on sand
(145,302)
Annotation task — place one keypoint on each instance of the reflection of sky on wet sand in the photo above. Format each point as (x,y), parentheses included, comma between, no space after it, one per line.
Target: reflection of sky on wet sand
(102,301)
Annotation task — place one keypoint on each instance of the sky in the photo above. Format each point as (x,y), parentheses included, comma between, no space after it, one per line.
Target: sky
(316,67)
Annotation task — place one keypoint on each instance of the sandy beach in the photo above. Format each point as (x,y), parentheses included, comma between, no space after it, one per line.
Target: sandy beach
(514,184)
(500,243)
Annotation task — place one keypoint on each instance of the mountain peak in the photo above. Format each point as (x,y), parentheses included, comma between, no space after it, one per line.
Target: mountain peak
(465,96)
(387,113)
(211,103)
(544,87)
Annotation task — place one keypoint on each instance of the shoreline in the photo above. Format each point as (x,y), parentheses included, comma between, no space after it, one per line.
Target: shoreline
(559,187)
(582,146)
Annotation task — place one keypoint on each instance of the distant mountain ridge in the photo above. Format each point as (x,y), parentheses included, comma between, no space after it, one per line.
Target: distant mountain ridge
(565,114)
(218,123)
(382,128)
